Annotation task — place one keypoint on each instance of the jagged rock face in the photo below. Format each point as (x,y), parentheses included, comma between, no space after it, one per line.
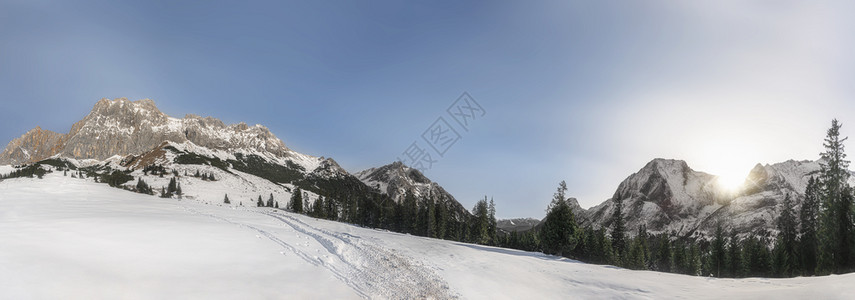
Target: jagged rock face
(668,196)
(121,127)
(37,144)
(396,179)
(756,208)
(663,195)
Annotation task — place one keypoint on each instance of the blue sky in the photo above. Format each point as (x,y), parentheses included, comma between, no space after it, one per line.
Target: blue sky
(586,92)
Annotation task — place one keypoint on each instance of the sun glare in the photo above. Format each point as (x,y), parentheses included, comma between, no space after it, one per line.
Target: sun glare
(729,158)
(731,182)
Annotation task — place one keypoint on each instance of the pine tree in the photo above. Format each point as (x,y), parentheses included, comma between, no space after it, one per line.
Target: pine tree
(318,208)
(835,211)
(694,260)
(172,187)
(142,187)
(808,216)
(226,199)
(787,232)
(409,213)
(492,218)
(269,200)
(717,259)
(618,230)
(441,220)
(664,254)
(680,259)
(331,209)
(481,223)
(297,201)
(431,218)
(559,234)
(734,256)
(259,203)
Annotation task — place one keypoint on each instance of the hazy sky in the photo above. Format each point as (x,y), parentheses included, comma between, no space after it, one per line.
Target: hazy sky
(586,92)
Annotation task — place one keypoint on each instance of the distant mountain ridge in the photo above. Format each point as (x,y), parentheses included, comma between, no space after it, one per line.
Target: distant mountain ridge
(666,195)
(121,127)
(517,224)
(133,135)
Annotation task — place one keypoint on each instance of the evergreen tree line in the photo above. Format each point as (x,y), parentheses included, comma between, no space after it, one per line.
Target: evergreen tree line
(30,171)
(429,215)
(819,239)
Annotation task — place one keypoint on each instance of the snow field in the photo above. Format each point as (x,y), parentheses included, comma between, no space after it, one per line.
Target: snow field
(73,238)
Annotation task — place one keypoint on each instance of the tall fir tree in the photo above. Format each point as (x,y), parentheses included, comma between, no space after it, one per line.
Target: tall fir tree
(441,219)
(807,236)
(318,208)
(618,230)
(787,239)
(409,213)
(734,256)
(493,229)
(481,223)
(717,252)
(559,234)
(331,209)
(835,205)
(431,219)
(297,201)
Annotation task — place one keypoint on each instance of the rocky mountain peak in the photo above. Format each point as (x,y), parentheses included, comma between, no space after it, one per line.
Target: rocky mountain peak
(397,179)
(122,127)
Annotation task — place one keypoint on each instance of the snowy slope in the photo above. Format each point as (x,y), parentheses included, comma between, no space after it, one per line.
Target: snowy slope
(73,238)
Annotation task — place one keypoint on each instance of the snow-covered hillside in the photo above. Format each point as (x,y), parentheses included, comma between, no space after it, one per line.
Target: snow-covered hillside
(73,238)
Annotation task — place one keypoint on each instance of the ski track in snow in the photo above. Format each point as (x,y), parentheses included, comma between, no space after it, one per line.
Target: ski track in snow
(372,271)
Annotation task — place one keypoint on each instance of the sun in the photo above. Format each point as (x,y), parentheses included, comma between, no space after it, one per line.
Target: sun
(726,156)
(731,180)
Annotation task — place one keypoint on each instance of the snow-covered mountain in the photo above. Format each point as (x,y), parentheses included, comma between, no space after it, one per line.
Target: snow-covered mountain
(121,127)
(517,224)
(396,179)
(249,160)
(668,196)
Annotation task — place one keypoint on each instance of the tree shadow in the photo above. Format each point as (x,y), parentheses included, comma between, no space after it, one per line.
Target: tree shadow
(522,253)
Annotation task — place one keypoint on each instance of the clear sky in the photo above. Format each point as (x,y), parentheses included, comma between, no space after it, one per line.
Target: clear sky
(586,92)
